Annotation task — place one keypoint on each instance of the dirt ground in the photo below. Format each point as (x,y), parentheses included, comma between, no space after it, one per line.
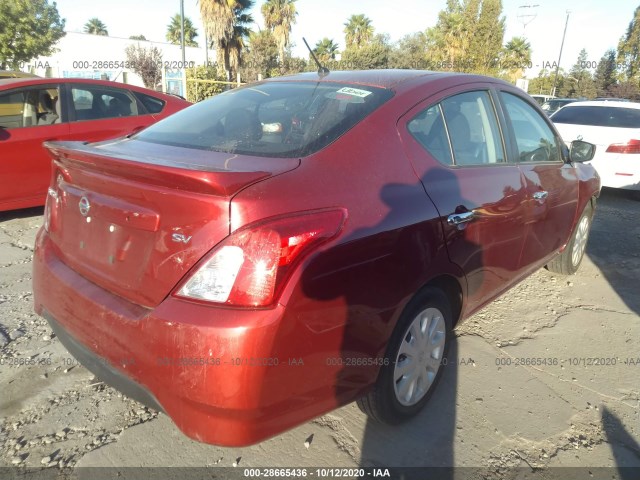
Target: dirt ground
(499,408)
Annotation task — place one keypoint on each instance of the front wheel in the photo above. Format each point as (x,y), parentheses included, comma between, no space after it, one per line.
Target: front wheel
(568,262)
(416,353)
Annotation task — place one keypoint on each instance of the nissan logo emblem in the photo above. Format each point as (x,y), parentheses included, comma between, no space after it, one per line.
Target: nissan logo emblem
(84,206)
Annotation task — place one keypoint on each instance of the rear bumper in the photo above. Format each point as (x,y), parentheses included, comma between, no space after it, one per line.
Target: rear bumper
(101,367)
(224,376)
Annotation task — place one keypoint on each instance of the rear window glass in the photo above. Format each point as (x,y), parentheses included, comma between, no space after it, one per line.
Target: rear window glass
(152,104)
(598,116)
(280,119)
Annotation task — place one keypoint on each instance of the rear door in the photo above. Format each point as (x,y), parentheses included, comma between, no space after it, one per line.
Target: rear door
(456,145)
(551,197)
(100,112)
(29,116)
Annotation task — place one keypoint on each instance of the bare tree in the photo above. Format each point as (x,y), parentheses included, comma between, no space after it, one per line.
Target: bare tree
(146,62)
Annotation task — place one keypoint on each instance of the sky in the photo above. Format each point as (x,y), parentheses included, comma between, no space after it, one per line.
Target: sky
(595,25)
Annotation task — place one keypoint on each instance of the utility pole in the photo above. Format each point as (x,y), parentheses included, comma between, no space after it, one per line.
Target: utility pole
(555,79)
(182,30)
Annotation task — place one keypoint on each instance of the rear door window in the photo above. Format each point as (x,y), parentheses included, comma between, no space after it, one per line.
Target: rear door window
(288,119)
(95,103)
(598,116)
(152,104)
(461,130)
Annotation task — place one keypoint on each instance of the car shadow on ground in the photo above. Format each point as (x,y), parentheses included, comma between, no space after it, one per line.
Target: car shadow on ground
(22,213)
(614,244)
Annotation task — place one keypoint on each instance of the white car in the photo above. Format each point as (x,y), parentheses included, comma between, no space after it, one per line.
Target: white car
(614,127)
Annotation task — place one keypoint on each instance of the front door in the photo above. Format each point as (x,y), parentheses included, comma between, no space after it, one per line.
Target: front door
(552,186)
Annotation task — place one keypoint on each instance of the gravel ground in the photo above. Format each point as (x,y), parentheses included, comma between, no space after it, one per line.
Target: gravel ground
(492,409)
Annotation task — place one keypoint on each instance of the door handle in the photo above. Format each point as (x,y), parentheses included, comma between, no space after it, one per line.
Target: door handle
(457,219)
(541,195)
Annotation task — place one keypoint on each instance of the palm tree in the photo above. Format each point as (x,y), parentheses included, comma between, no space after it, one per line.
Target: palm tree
(226,23)
(95,27)
(454,38)
(279,15)
(137,37)
(516,57)
(326,49)
(358,31)
(174,31)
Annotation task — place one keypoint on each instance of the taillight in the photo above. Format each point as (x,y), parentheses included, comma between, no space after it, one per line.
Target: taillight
(250,267)
(51,202)
(632,146)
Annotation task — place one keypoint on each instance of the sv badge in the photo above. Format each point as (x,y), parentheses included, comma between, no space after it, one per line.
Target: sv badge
(180,238)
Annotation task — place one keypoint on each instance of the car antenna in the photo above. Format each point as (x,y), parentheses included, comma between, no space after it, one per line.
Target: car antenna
(322,71)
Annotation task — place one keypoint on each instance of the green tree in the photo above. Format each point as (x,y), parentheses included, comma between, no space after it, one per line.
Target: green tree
(579,82)
(28,29)
(629,48)
(326,50)
(516,57)
(467,37)
(261,57)
(201,90)
(138,37)
(279,15)
(543,83)
(174,31)
(447,42)
(227,25)
(486,42)
(606,73)
(372,55)
(95,27)
(410,52)
(146,62)
(358,31)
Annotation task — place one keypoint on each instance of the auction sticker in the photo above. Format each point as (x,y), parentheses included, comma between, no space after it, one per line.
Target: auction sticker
(356,92)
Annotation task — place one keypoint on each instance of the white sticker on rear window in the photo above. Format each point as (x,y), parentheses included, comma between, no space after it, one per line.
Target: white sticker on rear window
(356,92)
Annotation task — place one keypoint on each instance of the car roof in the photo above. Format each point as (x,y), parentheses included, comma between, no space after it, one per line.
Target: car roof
(6,83)
(606,103)
(390,79)
(42,81)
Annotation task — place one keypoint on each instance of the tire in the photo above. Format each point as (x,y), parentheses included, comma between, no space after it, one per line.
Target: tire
(393,399)
(568,262)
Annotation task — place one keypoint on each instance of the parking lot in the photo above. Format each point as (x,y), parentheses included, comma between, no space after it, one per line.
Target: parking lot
(547,376)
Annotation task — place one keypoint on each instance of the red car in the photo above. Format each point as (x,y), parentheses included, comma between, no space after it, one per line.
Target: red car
(35,110)
(283,249)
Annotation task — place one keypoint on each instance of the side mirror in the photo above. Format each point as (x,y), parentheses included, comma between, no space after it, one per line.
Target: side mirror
(581,151)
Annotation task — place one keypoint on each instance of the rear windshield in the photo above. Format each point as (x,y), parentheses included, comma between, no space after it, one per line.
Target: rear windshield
(598,116)
(279,119)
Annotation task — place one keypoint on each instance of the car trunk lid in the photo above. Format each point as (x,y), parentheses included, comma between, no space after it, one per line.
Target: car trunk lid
(134,217)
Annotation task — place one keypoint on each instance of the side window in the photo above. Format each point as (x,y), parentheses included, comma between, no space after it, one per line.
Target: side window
(473,128)
(152,104)
(461,130)
(12,110)
(95,103)
(30,108)
(428,129)
(535,139)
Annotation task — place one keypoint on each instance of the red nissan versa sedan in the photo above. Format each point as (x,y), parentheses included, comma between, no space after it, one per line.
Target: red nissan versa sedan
(35,110)
(285,248)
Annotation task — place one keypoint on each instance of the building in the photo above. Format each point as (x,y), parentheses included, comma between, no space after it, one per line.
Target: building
(83,55)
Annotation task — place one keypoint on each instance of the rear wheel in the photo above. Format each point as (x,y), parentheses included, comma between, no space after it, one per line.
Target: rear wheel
(568,262)
(415,357)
